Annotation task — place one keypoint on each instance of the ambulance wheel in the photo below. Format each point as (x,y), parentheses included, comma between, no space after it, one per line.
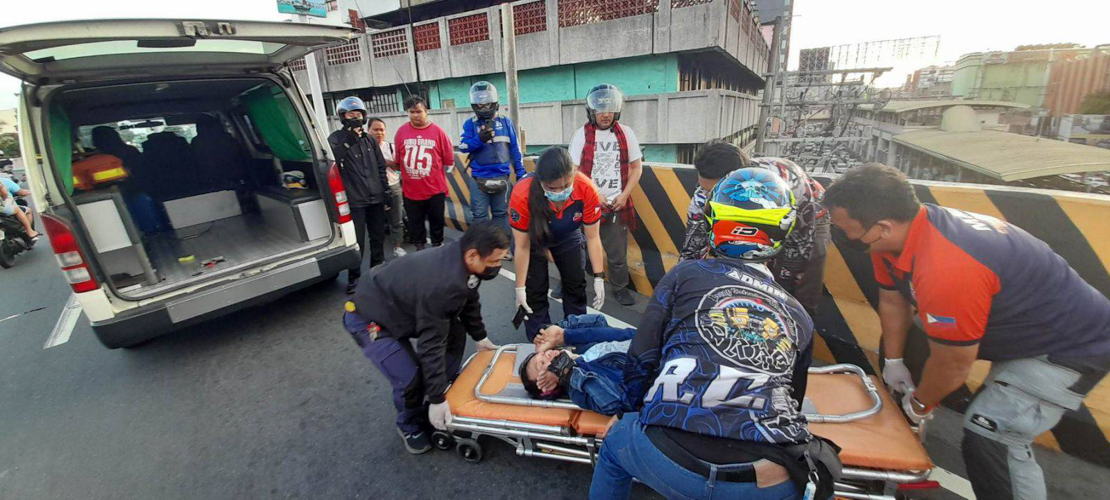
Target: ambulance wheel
(469,450)
(442,440)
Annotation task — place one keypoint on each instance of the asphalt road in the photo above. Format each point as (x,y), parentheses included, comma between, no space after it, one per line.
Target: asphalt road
(271,402)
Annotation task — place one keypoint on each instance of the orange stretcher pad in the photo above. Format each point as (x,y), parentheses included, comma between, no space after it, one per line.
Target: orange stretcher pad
(883,441)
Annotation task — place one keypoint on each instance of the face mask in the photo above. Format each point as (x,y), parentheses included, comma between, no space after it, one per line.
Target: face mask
(491,272)
(841,239)
(559,196)
(352,122)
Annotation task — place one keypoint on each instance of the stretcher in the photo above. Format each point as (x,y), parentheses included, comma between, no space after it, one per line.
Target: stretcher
(880,451)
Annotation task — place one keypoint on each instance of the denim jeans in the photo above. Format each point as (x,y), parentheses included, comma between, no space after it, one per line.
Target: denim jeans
(483,206)
(628,453)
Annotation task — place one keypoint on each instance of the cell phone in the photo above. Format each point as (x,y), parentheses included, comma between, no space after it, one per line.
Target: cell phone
(521,315)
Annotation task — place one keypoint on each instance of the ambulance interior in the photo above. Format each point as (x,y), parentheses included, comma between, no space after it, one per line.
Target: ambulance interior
(209,184)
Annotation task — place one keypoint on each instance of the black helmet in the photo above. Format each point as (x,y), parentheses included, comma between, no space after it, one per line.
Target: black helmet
(483,99)
(604,98)
(348,104)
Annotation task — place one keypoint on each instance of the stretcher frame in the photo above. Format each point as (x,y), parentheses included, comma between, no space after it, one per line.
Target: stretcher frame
(564,444)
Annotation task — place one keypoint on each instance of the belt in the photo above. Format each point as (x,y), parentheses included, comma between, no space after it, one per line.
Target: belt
(762,472)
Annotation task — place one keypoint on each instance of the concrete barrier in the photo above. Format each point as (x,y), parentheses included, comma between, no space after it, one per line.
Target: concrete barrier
(1075,225)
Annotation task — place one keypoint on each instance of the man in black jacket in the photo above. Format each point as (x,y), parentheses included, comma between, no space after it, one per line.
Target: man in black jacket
(432,297)
(362,167)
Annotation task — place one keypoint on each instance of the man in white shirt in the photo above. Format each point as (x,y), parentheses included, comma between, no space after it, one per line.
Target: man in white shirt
(608,152)
(393,174)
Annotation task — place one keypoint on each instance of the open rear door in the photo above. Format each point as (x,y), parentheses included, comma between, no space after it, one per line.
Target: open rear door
(81,51)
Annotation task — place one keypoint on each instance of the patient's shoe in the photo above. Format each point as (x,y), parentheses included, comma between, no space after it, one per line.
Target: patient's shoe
(417,442)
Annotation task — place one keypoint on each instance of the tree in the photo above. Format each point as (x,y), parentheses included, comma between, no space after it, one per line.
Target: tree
(9,144)
(1097,103)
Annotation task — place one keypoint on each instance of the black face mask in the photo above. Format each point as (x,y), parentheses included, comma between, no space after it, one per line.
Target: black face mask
(841,239)
(490,273)
(352,122)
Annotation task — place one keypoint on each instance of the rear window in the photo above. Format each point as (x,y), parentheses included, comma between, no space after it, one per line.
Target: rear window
(135,132)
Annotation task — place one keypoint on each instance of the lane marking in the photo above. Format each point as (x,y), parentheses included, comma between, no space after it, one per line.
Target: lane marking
(66,321)
(947,480)
(953,483)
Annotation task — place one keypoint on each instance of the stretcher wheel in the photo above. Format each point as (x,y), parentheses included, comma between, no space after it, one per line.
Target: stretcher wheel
(442,440)
(469,450)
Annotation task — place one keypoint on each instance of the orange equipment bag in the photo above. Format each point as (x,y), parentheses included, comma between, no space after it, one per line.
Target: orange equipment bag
(97,169)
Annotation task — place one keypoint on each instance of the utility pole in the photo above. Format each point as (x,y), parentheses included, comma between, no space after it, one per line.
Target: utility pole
(769,88)
(314,86)
(508,48)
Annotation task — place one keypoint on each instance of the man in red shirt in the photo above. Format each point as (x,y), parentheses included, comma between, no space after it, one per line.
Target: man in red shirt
(983,289)
(424,152)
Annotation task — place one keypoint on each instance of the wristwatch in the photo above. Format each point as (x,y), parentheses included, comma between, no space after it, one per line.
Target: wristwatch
(600,275)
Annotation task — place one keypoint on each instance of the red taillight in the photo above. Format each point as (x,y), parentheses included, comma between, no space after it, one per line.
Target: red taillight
(335,182)
(68,255)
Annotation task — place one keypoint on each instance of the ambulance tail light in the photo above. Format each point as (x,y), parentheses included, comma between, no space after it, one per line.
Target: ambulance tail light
(68,255)
(335,182)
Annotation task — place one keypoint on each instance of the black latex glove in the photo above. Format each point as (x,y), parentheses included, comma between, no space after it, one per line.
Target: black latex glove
(485,134)
(561,366)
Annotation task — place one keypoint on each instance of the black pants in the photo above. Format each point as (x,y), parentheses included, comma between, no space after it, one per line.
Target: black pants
(372,218)
(572,271)
(430,210)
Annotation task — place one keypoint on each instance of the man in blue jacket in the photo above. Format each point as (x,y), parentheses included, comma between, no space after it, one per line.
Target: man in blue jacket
(490,140)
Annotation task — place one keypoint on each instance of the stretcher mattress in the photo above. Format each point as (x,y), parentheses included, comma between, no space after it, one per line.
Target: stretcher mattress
(883,441)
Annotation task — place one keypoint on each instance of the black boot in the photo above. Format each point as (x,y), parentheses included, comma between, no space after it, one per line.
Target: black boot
(351,285)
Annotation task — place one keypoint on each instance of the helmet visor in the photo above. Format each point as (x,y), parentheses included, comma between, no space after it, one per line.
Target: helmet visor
(605,101)
(486,95)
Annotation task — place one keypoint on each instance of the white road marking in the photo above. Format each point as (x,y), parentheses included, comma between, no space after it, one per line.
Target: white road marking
(953,483)
(947,480)
(66,321)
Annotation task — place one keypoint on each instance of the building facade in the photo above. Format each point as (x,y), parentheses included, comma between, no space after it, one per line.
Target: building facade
(1071,81)
(691,69)
(1020,76)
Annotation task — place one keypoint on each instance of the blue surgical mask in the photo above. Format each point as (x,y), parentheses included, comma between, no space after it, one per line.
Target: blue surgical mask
(559,196)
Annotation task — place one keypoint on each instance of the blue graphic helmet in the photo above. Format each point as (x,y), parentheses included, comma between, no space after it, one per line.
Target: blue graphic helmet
(750,213)
(351,103)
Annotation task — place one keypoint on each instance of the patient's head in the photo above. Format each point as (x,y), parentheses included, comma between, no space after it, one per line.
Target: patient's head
(530,370)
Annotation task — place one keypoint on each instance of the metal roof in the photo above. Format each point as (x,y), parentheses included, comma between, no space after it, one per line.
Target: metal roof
(896,106)
(1007,156)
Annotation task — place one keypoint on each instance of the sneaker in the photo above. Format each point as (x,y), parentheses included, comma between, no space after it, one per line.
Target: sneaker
(351,286)
(507,256)
(417,442)
(399,252)
(557,291)
(419,246)
(623,297)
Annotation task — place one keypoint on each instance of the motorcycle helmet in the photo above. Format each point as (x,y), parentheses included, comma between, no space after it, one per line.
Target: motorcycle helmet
(750,213)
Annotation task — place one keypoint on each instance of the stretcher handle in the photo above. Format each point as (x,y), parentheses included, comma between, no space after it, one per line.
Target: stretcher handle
(872,391)
(507,400)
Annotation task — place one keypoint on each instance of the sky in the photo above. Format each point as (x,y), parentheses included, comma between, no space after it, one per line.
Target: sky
(963,25)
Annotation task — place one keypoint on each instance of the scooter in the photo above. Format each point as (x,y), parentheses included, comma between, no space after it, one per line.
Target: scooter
(13,238)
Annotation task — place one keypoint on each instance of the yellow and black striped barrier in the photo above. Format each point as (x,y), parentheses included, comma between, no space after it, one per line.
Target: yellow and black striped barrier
(1075,225)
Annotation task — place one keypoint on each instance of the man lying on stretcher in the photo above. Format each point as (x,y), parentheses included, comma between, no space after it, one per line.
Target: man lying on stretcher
(592,376)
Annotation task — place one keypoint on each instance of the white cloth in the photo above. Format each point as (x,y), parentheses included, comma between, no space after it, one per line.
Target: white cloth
(393,176)
(602,348)
(607,160)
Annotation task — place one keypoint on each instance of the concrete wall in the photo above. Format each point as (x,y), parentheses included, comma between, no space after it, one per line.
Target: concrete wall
(435,63)
(477,58)
(966,75)
(1016,82)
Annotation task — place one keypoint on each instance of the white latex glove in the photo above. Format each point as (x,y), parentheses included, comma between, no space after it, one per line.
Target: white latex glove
(897,377)
(439,414)
(599,293)
(915,418)
(522,299)
(486,345)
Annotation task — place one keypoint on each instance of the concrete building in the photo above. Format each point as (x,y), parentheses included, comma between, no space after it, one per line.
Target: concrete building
(932,81)
(9,122)
(1071,81)
(1020,76)
(691,69)
(897,117)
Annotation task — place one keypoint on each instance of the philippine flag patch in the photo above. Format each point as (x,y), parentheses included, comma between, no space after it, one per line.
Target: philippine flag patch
(941,321)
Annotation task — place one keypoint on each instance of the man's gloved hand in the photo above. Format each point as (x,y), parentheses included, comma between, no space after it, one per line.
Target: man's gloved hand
(522,299)
(561,367)
(599,292)
(486,345)
(485,134)
(439,414)
(897,377)
(914,410)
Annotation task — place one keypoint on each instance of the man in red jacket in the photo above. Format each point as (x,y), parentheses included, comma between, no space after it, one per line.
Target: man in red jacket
(424,152)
